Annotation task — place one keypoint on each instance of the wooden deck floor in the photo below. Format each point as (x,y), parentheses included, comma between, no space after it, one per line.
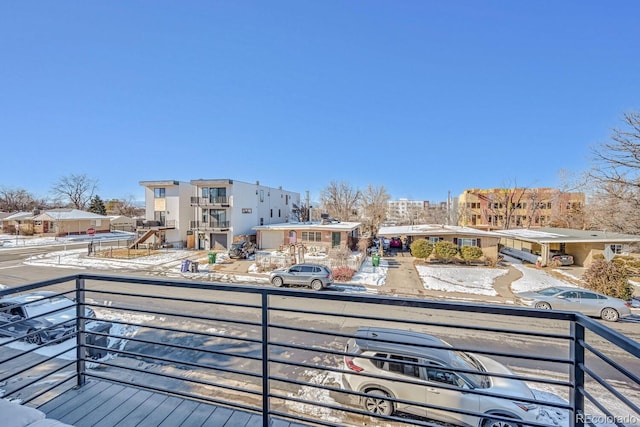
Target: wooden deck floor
(105,404)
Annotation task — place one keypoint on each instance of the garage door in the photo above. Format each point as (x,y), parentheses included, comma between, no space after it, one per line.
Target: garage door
(271,240)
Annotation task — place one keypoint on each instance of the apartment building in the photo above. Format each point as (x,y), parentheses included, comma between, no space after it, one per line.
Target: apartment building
(504,208)
(407,212)
(210,213)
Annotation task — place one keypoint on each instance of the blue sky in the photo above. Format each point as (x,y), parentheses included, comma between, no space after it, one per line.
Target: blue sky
(423,97)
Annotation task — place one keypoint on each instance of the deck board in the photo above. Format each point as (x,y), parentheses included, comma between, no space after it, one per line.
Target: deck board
(141,412)
(104,404)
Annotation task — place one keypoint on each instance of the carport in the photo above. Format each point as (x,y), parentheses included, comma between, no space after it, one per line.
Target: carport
(583,245)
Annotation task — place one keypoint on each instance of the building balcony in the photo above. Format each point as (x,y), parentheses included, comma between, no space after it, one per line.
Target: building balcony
(155,224)
(210,225)
(222,201)
(182,352)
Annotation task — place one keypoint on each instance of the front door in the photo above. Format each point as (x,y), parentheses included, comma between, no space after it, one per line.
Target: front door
(335,239)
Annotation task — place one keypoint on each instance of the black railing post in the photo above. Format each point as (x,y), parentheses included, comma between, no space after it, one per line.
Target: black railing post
(265,359)
(80,333)
(576,397)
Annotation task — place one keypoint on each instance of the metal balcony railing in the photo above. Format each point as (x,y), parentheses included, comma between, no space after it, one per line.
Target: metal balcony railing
(207,201)
(210,225)
(280,353)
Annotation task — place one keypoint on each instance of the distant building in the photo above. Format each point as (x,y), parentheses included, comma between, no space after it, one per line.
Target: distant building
(407,212)
(505,208)
(57,222)
(322,235)
(210,213)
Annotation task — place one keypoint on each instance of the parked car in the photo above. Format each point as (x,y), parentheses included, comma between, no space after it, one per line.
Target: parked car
(562,258)
(395,243)
(576,299)
(403,368)
(241,249)
(34,312)
(315,276)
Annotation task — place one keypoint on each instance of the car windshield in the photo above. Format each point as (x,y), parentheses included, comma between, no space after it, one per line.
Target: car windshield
(46,305)
(549,291)
(462,360)
(236,246)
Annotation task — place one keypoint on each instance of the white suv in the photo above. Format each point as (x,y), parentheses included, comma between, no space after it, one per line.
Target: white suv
(397,364)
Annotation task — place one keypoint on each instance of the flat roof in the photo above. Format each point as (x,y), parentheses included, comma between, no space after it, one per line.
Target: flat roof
(434,230)
(566,235)
(310,226)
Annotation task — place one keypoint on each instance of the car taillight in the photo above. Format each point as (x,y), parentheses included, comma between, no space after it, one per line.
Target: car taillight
(349,362)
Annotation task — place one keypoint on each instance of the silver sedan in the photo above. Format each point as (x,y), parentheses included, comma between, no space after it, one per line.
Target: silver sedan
(576,299)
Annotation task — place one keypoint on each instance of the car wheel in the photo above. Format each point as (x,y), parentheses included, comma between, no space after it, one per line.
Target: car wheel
(35,338)
(316,285)
(543,306)
(610,314)
(277,282)
(377,403)
(496,423)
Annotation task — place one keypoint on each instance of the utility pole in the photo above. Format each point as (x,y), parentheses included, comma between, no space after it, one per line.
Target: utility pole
(308,207)
(449,207)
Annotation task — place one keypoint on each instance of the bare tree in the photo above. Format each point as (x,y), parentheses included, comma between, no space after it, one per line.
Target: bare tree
(618,161)
(77,190)
(615,177)
(340,200)
(374,203)
(18,199)
(125,207)
(300,212)
(504,205)
(614,207)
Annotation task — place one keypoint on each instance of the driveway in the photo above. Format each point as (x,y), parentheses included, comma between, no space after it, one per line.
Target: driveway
(403,280)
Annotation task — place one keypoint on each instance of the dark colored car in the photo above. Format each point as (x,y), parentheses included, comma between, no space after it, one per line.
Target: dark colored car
(45,316)
(395,243)
(241,250)
(316,276)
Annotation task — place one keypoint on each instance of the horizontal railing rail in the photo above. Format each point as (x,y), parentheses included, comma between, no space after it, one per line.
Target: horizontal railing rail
(283,353)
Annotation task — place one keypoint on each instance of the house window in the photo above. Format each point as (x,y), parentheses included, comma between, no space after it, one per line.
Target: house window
(217,195)
(159,216)
(218,217)
(159,193)
(311,236)
(262,195)
(617,248)
(271,213)
(433,240)
(465,241)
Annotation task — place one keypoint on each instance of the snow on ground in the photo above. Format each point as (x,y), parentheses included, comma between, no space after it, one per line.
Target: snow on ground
(370,275)
(13,241)
(533,278)
(470,280)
